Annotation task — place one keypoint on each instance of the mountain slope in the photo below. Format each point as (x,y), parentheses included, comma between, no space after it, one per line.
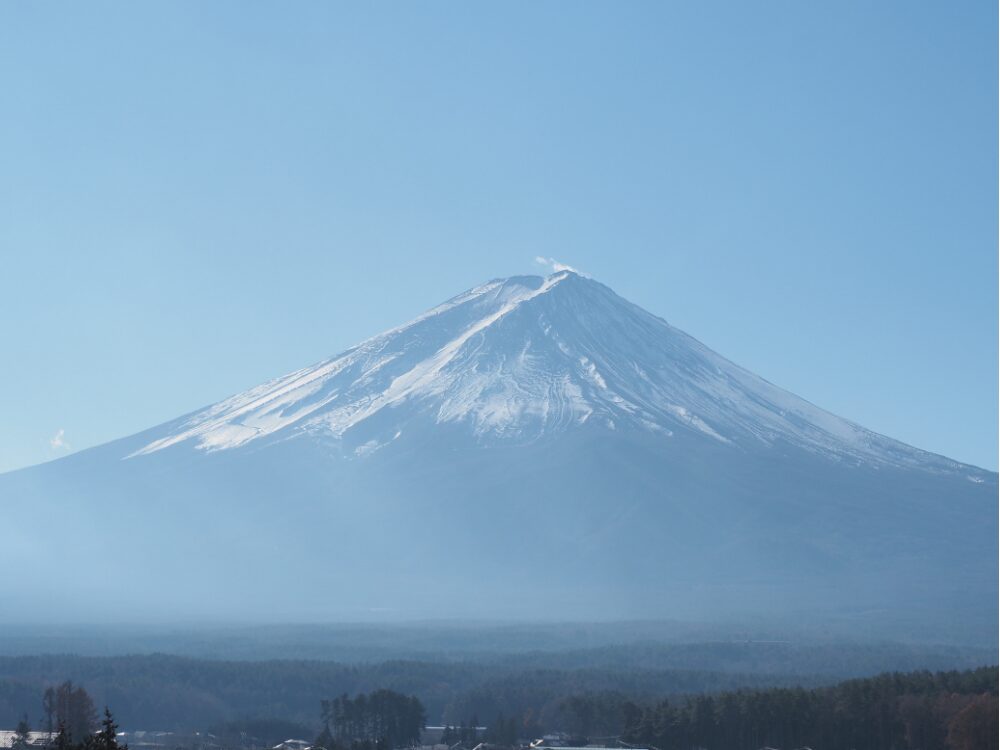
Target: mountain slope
(531,441)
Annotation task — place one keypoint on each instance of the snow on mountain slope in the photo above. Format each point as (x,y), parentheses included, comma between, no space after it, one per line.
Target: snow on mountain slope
(525,358)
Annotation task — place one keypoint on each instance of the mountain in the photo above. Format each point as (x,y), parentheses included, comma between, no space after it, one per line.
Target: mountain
(534,447)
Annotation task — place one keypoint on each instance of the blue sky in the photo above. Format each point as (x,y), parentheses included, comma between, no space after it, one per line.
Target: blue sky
(196,197)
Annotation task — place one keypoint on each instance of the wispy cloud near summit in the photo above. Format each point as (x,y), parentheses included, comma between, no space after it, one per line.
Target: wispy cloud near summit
(555,265)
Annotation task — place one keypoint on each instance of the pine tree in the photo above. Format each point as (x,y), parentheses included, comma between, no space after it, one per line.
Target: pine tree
(107,738)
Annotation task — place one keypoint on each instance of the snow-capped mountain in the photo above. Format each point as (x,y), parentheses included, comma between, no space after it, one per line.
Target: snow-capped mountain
(534,446)
(523,358)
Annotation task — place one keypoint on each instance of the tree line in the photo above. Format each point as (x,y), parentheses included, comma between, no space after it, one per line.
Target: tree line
(184,694)
(917,711)
(913,711)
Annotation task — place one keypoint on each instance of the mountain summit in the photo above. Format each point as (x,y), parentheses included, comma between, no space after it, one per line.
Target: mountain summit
(531,445)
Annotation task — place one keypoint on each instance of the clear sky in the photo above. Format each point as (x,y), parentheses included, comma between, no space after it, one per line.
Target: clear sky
(196,197)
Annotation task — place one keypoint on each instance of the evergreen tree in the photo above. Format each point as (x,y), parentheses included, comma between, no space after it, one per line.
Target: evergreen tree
(107,738)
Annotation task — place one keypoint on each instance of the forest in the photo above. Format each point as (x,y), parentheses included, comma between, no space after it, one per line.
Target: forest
(917,711)
(170,692)
(955,710)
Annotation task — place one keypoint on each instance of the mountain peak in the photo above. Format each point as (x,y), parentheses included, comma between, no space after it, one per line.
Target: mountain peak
(522,359)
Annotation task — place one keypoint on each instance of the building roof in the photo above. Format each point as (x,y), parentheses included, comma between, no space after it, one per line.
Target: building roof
(36,739)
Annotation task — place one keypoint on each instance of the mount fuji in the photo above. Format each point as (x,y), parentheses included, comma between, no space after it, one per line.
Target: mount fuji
(532,447)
